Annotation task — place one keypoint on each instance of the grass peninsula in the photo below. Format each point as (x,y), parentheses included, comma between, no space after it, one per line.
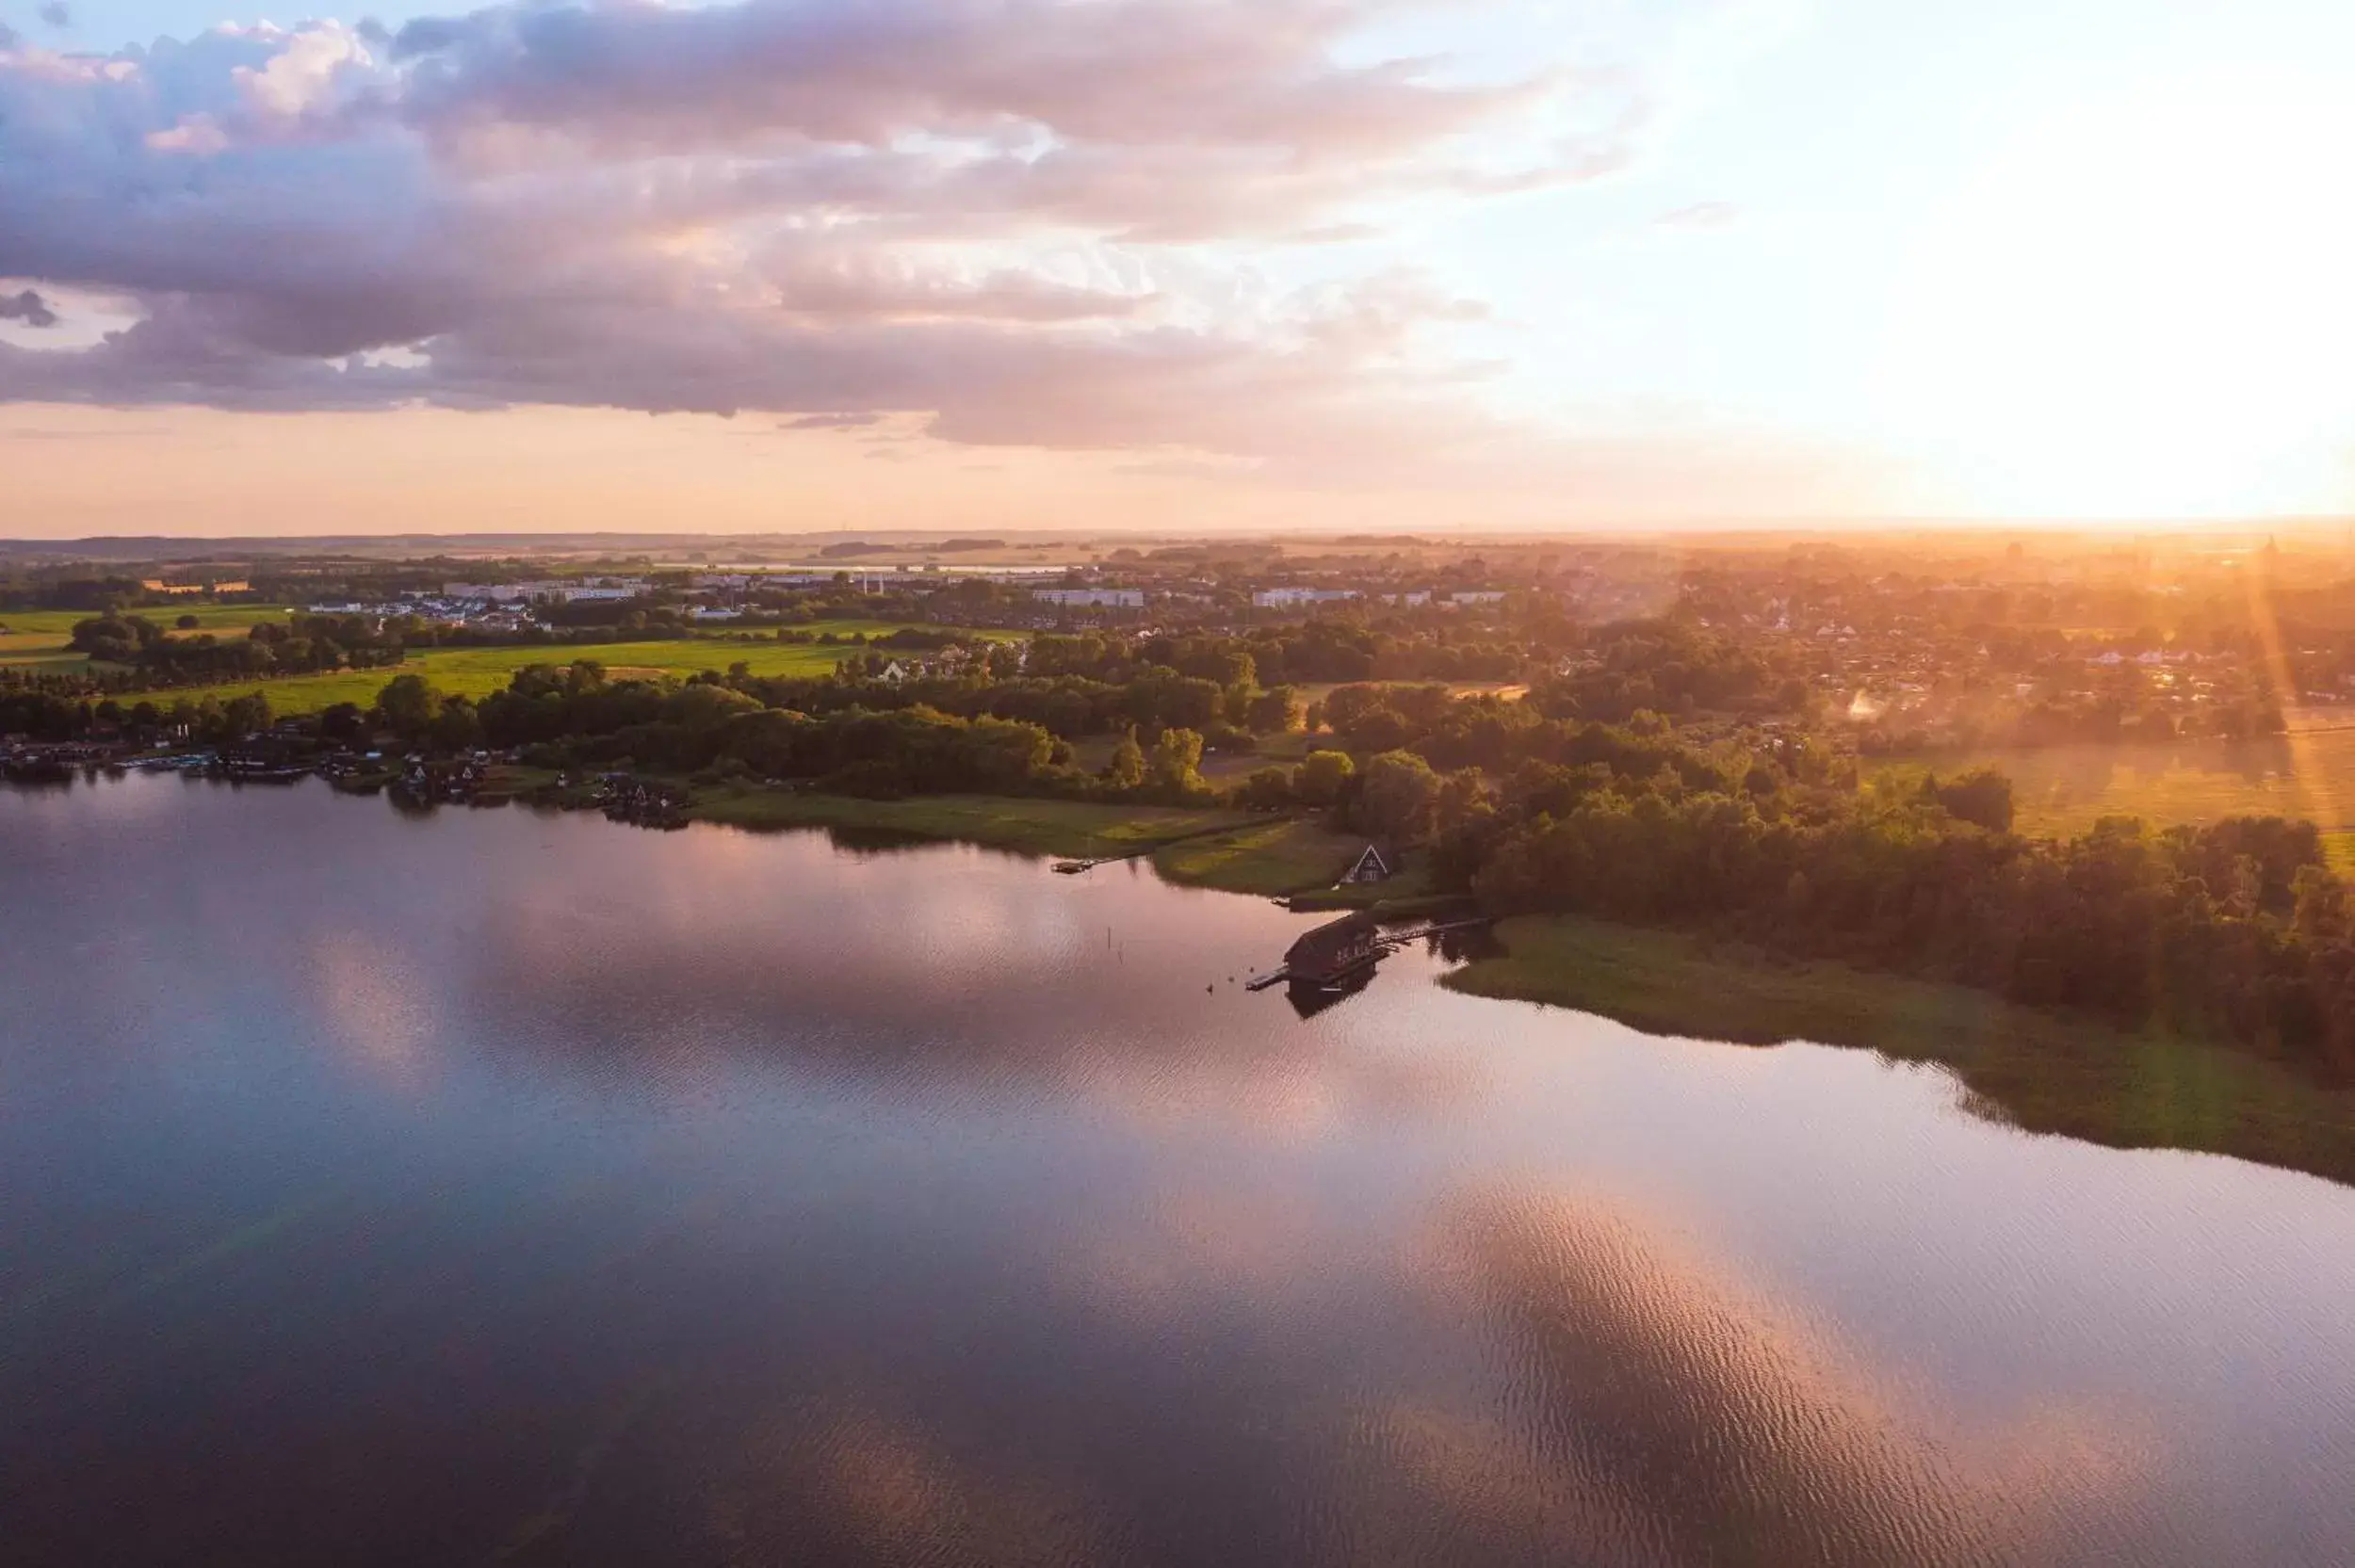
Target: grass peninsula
(2044,1073)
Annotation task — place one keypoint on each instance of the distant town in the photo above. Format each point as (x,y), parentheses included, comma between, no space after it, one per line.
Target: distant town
(1961,643)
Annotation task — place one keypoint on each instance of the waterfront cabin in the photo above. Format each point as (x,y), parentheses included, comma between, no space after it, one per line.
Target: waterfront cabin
(1375,862)
(1333,952)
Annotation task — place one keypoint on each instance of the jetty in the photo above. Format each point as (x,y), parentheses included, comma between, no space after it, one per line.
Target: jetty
(1081,867)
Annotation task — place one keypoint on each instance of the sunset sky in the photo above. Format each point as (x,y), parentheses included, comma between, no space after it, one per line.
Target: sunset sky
(1177,264)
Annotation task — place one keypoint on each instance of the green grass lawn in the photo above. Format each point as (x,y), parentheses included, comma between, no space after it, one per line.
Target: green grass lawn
(1271,856)
(476,673)
(2045,1073)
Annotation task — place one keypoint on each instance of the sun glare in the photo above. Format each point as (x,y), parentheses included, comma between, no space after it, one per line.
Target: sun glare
(2142,310)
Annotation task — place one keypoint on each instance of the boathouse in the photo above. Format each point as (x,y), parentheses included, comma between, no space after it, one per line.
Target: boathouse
(1332,953)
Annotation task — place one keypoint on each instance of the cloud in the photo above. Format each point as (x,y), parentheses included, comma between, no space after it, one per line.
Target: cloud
(56,14)
(9,37)
(27,307)
(1700,214)
(1231,74)
(1017,221)
(831,422)
(1661,1381)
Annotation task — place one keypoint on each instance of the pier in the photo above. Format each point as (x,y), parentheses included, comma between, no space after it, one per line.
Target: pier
(1081,867)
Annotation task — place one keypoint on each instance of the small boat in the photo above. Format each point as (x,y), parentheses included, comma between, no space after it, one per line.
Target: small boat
(254,770)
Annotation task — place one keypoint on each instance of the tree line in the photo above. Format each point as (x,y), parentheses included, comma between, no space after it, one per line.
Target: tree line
(712,725)
(2237,930)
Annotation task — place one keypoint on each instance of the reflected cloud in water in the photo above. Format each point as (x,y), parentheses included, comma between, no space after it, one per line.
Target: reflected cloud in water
(491,1186)
(1700,1422)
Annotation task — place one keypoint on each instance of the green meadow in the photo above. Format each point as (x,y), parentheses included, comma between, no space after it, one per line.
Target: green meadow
(1028,826)
(44,658)
(2060,791)
(40,637)
(2044,1073)
(1273,856)
(1229,851)
(476,673)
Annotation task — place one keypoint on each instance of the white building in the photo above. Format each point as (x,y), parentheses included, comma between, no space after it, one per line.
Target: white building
(608,590)
(1287,598)
(1095,598)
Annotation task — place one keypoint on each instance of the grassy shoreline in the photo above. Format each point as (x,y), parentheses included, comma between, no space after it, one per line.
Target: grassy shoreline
(478,671)
(1027,826)
(1227,851)
(2044,1073)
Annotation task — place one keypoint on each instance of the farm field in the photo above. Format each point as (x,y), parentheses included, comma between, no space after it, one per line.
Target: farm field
(43,656)
(40,637)
(476,673)
(220,620)
(2064,790)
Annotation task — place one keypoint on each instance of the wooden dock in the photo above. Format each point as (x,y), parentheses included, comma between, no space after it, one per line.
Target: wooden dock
(1081,867)
(1420,932)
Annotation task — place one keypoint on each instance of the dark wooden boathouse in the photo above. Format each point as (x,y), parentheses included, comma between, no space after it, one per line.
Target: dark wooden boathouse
(1332,953)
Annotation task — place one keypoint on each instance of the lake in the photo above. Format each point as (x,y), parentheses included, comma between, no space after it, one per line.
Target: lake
(498,1187)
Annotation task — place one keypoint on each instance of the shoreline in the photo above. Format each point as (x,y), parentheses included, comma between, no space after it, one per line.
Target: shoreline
(2043,1072)
(1225,852)
(2040,1071)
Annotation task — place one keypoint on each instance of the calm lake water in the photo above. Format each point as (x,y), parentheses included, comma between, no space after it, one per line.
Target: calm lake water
(500,1188)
